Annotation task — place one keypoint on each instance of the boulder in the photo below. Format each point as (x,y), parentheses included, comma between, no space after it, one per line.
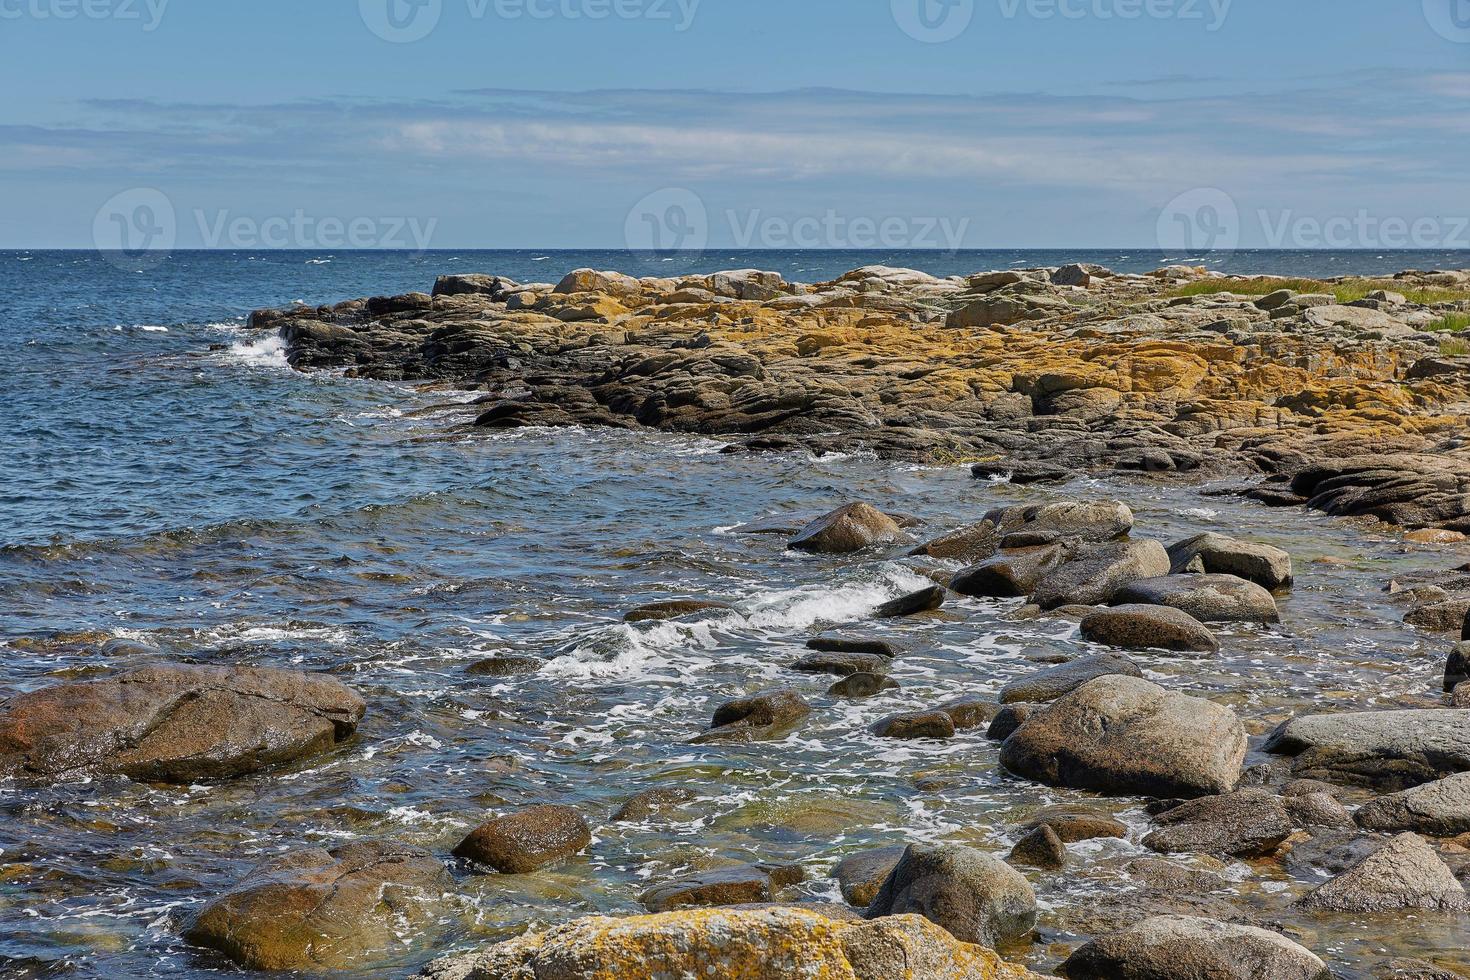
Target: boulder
(1009,718)
(862,686)
(505,666)
(968,713)
(860,875)
(1028,525)
(318,910)
(842,664)
(649,802)
(772,943)
(848,529)
(672,609)
(1457,666)
(519,843)
(915,724)
(1040,848)
(1125,735)
(175,724)
(769,714)
(1248,823)
(1145,627)
(846,643)
(498,288)
(925,600)
(1094,577)
(971,543)
(1218,554)
(1073,825)
(1439,809)
(1208,598)
(1051,683)
(1440,615)
(1011,574)
(1181,947)
(748,884)
(1405,873)
(1317,810)
(976,897)
(1385,750)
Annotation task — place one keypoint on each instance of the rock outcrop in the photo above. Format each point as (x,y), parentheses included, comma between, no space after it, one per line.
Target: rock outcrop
(1179,947)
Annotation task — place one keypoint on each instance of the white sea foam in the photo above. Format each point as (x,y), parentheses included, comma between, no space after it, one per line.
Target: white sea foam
(801,608)
(262,352)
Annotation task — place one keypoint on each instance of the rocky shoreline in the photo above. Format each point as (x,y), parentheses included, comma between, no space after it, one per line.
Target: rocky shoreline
(1351,396)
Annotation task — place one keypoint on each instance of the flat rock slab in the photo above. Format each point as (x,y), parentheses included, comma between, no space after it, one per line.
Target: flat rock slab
(748,884)
(1208,598)
(1126,735)
(1385,750)
(176,724)
(1144,627)
(315,910)
(1180,947)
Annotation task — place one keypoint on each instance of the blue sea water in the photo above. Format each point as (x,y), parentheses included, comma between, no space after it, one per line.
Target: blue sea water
(172,490)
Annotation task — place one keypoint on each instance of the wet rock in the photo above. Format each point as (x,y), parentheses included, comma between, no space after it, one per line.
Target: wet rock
(925,600)
(971,543)
(672,609)
(842,664)
(915,724)
(1145,627)
(862,686)
(1030,525)
(1208,598)
(847,643)
(1094,577)
(1442,616)
(1074,825)
(1125,735)
(321,910)
(1047,685)
(505,666)
(860,875)
(772,943)
(1011,574)
(1400,968)
(976,897)
(848,529)
(968,713)
(649,802)
(498,288)
(1385,750)
(748,884)
(521,842)
(1041,848)
(1249,823)
(1317,810)
(1217,554)
(1457,667)
(1440,809)
(1177,947)
(175,724)
(1009,718)
(1022,472)
(1405,873)
(769,714)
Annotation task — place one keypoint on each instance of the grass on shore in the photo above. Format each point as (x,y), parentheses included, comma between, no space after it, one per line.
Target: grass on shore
(1451,323)
(1347,291)
(1454,348)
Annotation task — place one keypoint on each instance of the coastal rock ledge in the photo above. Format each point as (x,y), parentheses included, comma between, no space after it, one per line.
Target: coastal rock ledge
(1348,395)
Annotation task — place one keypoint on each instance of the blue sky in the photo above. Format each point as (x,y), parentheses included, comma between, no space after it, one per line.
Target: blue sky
(551,123)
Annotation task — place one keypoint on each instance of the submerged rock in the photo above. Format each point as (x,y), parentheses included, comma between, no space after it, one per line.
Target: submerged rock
(848,529)
(1208,598)
(520,842)
(176,724)
(842,664)
(1405,873)
(1179,947)
(748,884)
(1041,848)
(860,875)
(1053,682)
(915,724)
(976,897)
(649,802)
(769,714)
(673,609)
(318,910)
(1125,735)
(1386,750)
(925,600)
(1144,627)
(862,686)
(849,643)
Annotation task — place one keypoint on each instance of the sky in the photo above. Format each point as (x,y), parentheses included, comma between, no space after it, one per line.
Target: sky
(735,123)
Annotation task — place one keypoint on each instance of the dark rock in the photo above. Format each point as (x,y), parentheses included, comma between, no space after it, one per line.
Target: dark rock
(862,686)
(1009,718)
(1208,598)
(175,724)
(860,875)
(1210,553)
(925,600)
(978,898)
(498,288)
(1051,683)
(843,643)
(1029,525)
(645,804)
(1249,823)
(1073,825)
(1385,750)
(1441,616)
(1021,472)
(1457,667)
(1439,809)
(968,713)
(1011,574)
(672,609)
(1405,873)
(1177,947)
(505,666)
(318,910)
(915,724)
(1143,627)
(842,664)
(1095,576)
(748,884)
(1041,848)
(521,842)
(848,529)
(1125,735)
(971,543)
(769,714)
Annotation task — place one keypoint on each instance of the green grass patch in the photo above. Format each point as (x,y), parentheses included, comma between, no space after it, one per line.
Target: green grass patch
(1454,348)
(1453,323)
(1346,291)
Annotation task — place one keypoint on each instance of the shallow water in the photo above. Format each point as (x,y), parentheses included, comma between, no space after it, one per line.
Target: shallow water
(167,501)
